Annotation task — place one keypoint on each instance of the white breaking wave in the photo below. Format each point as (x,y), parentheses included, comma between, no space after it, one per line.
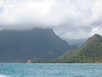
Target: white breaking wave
(3,76)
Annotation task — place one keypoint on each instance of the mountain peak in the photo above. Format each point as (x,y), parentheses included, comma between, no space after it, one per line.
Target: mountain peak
(97,35)
(94,38)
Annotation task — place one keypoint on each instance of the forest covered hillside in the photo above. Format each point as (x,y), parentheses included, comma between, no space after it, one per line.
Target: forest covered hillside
(31,44)
(91,51)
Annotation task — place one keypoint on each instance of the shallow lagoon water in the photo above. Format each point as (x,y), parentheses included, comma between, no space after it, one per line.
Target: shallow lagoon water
(50,70)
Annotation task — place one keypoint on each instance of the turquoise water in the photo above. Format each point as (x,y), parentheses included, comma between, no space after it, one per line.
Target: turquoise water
(50,70)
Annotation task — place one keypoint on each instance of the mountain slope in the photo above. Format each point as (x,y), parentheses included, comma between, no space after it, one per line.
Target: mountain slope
(32,44)
(91,51)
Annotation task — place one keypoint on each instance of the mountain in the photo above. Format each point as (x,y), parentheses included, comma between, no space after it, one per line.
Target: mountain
(31,44)
(77,42)
(91,51)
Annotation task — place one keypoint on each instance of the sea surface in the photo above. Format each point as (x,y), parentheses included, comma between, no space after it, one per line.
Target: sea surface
(50,70)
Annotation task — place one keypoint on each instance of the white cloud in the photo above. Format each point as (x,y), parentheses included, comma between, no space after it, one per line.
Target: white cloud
(21,11)
(69,18)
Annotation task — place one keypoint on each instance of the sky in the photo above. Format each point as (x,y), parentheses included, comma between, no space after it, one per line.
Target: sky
(70,19)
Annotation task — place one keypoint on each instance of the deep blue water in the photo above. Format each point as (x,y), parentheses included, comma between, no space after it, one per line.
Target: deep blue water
(50,70)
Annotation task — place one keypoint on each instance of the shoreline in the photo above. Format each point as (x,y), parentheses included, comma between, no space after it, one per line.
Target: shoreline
(50,63)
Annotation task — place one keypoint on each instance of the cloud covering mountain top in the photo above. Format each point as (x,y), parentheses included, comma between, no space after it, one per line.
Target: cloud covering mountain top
(72,19)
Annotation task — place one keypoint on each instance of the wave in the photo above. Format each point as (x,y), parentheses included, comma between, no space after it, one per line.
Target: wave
(3,75)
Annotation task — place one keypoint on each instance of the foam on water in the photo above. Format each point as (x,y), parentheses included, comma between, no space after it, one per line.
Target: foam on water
(3,76)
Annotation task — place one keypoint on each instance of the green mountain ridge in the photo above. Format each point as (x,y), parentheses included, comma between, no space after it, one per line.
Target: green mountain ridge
(91,51)
(31,44)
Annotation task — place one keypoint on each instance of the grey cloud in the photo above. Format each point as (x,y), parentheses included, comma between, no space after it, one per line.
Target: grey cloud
(1,9)
(71,19)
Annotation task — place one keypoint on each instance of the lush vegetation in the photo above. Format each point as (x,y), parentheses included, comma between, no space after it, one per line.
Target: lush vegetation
(31,44)
(41,61)
(90,52)
(44,46)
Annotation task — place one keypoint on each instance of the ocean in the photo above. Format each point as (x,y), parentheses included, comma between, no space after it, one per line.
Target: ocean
(51,70)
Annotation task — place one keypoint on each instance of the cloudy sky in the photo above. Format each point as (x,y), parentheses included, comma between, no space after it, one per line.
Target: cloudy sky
(70,19)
